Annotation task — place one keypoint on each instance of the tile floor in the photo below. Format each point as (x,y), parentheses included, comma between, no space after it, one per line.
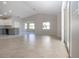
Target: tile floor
(32,46)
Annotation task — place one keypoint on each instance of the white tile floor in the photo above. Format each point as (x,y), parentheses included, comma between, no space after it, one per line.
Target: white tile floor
(31,46)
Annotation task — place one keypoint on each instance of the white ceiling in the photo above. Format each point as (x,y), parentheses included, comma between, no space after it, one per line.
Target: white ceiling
(29,8)
(46,7)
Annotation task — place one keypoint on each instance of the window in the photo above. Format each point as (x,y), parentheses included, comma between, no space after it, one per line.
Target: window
(25,25)
(46,25)
(32,26)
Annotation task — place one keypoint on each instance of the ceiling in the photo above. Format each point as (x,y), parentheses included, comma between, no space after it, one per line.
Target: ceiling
(29,8)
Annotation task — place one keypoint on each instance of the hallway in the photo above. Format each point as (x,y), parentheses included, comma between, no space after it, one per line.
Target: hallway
(32,45)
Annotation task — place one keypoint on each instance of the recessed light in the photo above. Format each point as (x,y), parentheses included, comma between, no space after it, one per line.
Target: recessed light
(10,11)
(4,2)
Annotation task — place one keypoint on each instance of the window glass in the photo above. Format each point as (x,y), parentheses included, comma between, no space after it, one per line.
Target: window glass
(46,25)
(31,25)
(25,25)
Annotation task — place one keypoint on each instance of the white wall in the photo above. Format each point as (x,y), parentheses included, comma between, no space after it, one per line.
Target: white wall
(39,18)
